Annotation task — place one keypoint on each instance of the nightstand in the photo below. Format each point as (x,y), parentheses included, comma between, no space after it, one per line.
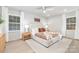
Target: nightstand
(26,35)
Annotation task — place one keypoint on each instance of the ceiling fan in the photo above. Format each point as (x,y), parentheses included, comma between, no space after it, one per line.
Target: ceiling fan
(46,8)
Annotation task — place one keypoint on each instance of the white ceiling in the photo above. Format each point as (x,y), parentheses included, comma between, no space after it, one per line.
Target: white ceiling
(50,10)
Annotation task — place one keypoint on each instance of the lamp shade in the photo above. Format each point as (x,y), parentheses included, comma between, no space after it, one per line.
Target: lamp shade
(26,26)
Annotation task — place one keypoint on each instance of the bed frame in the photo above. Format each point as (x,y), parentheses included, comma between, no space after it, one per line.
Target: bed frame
(33,37)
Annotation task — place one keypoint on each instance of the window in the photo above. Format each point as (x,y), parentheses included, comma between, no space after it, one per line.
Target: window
(71,23)
(14,23)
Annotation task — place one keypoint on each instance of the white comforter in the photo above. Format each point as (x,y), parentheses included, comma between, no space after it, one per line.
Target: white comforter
(50,40)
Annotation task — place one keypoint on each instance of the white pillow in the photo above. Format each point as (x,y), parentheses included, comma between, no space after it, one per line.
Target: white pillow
(35,30)
(48,35)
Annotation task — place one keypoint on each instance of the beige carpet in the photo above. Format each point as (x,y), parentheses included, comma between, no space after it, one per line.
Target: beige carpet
(74,47)
(18,46)
(59,47)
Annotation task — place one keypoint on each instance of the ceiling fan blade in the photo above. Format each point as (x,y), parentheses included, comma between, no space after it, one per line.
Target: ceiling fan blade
(43,7)
(46,8)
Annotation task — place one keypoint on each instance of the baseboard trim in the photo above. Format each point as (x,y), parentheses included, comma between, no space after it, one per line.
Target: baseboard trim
(14,40)
(70,38)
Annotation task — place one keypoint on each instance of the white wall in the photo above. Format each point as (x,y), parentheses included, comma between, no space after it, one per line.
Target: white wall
(13,12)
(63,24)
(29,20)
(5,18)
(55,23)
(77,25)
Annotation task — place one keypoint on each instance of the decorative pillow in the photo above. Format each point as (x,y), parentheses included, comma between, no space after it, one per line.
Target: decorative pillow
(41,30)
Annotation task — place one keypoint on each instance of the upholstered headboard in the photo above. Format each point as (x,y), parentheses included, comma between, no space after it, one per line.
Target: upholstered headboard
(34,27)
(41,29)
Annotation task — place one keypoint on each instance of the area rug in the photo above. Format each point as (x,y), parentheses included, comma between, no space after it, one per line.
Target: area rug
(59,47)
(74,47)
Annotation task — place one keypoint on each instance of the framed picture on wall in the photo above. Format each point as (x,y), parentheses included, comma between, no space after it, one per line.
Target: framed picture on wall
(37,19)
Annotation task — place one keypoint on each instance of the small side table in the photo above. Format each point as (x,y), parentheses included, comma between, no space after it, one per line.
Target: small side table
(26,35)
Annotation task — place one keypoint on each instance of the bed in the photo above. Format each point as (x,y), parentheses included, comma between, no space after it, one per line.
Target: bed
(46,38)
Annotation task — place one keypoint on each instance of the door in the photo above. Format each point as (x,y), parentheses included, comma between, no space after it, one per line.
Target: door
(70,27)
(14,27)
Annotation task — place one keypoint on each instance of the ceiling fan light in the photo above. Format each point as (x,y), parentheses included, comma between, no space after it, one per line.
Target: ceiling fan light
(44,11)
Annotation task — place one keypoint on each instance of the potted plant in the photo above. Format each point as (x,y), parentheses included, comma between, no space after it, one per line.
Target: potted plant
(1,20)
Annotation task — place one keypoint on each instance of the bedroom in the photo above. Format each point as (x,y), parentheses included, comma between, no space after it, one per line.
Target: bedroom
(56,20)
